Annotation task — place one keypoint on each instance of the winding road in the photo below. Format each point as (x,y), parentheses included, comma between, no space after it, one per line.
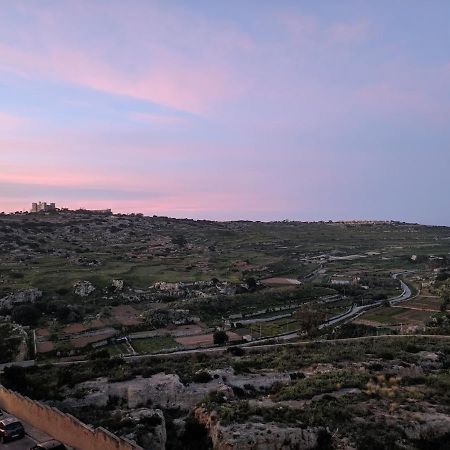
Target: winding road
(355,310)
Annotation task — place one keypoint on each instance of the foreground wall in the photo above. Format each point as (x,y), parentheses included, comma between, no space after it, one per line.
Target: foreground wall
(63,427)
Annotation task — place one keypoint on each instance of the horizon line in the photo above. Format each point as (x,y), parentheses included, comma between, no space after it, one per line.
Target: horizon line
(286,220)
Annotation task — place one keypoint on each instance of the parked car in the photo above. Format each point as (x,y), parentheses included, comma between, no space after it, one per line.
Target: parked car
(49,445)
(11,428)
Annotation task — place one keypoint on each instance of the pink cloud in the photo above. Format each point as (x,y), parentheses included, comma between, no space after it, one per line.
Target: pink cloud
(180,60)
(218,205)
(307,29)
(10,122)
(159,194)
(157,118)
(172,82)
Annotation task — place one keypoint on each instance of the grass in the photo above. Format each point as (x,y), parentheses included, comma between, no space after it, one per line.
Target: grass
(424,302)
(414,315)
(267,329)
(117,349)
(385,315)
(154,344)
(395,315)
(322,383)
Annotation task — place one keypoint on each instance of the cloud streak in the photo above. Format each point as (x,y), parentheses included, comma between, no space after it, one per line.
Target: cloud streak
(235,110)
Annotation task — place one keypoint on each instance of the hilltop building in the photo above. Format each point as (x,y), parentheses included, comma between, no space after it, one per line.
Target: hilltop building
(42,206)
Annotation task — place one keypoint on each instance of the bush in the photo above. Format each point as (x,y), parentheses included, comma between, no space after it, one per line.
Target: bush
(201,377)
(26,315)
(350,330)
(322,383)
(195,436)
(220,338)
(236,351)
(99,354)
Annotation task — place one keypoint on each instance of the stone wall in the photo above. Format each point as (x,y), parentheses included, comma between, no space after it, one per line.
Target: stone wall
(63,427)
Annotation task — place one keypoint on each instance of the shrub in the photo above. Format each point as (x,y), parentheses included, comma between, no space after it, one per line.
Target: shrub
(195,436)
(236,351)
(99,354)
(26,315)
(201,377)
(220,338)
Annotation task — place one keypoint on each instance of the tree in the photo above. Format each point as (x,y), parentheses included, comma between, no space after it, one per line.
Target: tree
(195,435)
(179,240)
(251,284)
(14,378)
(445,296)
(220,338)
(309,319)
(26,315)
(386,303)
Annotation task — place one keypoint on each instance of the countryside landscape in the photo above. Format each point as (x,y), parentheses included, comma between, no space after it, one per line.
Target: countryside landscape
(198,334)
(224,225)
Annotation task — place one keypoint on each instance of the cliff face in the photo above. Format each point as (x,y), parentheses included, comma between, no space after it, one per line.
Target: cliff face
(25,296)
(258,436)
(163,390)
(167,390)
(150,429)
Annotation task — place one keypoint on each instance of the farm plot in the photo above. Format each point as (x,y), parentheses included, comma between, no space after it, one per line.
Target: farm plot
(387,315)
(396,315)
(425,303)
(154,344)
(204,339)
(414,316)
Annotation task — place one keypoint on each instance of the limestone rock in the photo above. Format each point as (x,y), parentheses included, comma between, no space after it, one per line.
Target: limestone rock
(162,390)
(258,436)
(83,288)
(427,426)
(117,285)
(20,297)
(150,428)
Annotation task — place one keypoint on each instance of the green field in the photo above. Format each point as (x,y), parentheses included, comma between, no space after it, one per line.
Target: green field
(117,349)
(386,315)
(122,248)
(154,344)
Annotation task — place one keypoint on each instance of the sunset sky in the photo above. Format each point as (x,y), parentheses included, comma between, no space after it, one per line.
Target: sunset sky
(307,110)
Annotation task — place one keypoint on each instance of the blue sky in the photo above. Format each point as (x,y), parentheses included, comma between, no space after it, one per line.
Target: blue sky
(225,110)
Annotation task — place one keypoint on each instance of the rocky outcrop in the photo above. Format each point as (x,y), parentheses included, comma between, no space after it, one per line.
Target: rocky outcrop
(162,317)
(258,436)
(162,390)
(117,285)
(150,430)
(430,360)
(20,297)
(427,426)
(167,390)
(252,381)
(83,288)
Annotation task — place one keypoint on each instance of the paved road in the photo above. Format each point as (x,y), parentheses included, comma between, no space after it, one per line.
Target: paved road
(32,437)
(21,444)
(406,294)
(352,313)
(355,310)
(263,346)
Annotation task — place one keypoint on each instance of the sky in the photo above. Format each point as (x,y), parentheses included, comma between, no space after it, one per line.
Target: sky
(259,110)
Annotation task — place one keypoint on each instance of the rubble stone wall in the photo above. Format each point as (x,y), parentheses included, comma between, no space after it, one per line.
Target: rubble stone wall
(63,427)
